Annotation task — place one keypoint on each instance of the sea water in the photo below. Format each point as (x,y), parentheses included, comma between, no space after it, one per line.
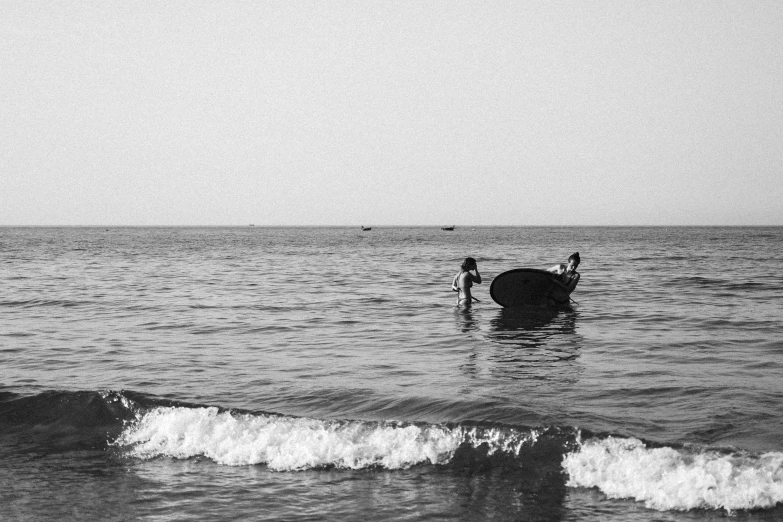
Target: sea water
(325,374)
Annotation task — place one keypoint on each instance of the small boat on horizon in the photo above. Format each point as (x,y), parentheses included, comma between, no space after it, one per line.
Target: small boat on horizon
(364,229)
(447,228)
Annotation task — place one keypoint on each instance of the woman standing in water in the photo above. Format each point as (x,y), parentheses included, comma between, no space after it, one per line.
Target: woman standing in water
(568,274)
(464,280)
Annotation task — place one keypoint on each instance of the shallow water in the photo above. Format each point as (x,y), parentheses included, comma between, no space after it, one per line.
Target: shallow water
(324,373)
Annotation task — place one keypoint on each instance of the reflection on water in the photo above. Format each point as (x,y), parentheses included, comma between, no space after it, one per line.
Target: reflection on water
(534,344)
(530,327)
(466,322)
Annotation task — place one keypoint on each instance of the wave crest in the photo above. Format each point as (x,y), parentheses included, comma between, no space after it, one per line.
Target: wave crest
(676,479)
(287,443)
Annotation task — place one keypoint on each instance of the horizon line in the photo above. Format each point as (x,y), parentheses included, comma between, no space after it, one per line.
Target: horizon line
(393,226)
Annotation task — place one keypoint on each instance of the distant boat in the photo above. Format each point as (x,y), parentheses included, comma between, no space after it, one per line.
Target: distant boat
(366,228)
(447,228)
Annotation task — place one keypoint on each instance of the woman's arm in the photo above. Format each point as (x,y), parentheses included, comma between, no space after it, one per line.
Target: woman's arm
(557,269)
(572,283)
(455,283)
(475,278)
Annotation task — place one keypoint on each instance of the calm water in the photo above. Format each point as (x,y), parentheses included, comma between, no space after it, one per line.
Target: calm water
(324,374)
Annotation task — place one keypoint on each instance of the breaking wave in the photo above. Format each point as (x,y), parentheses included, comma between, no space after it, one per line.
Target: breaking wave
(140,426)
(289,443)
(666,478)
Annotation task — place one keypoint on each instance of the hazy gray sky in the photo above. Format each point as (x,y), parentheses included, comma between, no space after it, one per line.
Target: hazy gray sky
(391,113)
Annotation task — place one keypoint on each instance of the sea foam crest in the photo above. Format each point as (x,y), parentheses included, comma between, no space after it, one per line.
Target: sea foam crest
(287,443)
(670,479)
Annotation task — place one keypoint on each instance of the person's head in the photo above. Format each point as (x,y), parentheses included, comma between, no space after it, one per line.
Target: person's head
(573,261)
(468,264)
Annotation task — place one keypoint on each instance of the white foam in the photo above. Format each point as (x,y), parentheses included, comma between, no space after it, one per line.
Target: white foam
(285,443)
(669,479)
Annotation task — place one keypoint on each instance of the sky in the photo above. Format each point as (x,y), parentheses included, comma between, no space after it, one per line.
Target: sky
(391,113)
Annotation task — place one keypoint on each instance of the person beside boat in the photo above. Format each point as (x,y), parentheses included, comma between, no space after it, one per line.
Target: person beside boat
(464,280)
(567,272)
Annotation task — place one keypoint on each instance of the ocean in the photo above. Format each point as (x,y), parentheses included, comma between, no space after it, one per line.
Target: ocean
(255,373)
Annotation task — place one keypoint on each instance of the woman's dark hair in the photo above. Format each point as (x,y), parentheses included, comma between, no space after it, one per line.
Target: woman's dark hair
(469,262)
(575,257)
